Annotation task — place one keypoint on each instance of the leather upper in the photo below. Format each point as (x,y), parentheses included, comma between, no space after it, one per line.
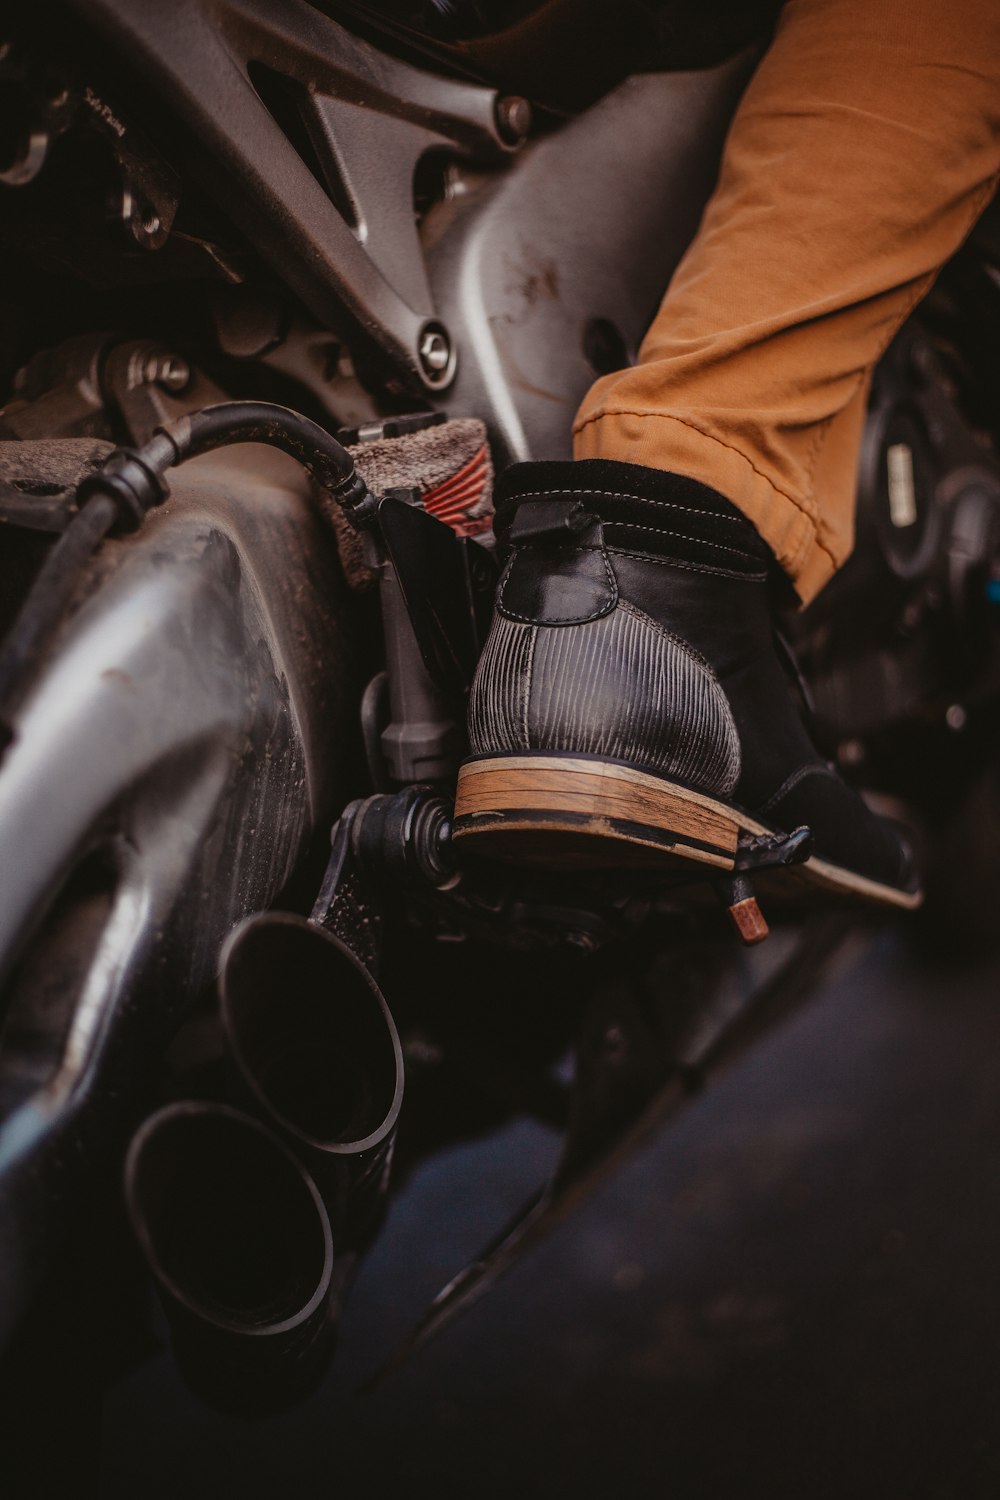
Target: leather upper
(634,620)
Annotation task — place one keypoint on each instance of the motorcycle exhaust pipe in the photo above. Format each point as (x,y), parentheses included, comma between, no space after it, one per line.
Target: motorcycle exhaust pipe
(239,1242)
(315,1048)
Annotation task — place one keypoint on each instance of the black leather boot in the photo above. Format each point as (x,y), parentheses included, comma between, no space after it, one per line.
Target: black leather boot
(630,706)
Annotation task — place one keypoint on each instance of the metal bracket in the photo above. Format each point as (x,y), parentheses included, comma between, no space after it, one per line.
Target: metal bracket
(447,583)
(344,245)
(382,842)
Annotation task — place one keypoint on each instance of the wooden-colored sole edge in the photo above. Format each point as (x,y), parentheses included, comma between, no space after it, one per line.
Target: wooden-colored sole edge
(592,799)
(834,878)
(531,794)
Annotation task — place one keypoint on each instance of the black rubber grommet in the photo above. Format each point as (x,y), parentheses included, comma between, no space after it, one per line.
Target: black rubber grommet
(132,484)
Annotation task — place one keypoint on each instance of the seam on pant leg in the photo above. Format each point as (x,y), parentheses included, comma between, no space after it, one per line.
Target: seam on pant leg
(923,286)
(823,428)
(800,505)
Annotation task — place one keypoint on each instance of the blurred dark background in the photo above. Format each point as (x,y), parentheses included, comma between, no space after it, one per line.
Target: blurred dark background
(790,1291)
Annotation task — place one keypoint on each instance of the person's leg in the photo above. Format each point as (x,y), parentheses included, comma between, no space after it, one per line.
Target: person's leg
(864,149)
(630,703)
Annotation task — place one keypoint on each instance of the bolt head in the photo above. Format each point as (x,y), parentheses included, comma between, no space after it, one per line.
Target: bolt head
(435,352)
(169,371)
(514,118)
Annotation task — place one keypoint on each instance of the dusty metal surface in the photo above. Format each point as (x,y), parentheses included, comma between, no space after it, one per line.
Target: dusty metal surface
(182,745)
(546,270)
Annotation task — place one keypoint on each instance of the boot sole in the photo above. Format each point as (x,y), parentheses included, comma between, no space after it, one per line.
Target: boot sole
(565,812)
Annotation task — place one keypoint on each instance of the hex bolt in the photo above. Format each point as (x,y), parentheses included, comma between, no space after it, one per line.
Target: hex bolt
(435,351)
(514,118)
(169,371)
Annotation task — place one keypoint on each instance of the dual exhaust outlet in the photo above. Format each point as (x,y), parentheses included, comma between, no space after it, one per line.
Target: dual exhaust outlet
(251,1218)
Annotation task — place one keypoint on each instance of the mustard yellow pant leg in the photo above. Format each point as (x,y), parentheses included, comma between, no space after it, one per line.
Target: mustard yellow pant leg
(865,147)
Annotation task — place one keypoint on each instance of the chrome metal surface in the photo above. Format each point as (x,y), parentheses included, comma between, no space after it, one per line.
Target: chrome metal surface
(189,730)
(588,222)
(435,351)
(171,371)
(514,118)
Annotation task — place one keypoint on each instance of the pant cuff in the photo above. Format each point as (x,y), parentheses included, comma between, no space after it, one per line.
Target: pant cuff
(670,443)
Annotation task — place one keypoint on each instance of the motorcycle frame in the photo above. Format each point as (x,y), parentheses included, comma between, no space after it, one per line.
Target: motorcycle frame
(534,239)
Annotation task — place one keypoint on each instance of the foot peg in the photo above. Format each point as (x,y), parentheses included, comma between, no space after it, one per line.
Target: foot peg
(754,853)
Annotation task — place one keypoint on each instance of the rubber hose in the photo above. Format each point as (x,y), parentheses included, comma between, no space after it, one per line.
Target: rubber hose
(213,427)
(196,433)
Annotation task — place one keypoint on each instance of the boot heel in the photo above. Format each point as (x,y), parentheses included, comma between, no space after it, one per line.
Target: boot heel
(560,810)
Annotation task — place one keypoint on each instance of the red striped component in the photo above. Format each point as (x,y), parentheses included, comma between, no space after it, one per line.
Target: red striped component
(453,499)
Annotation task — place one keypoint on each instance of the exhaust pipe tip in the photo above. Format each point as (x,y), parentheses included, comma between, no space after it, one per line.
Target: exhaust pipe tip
(239,1243)
(315,1046)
